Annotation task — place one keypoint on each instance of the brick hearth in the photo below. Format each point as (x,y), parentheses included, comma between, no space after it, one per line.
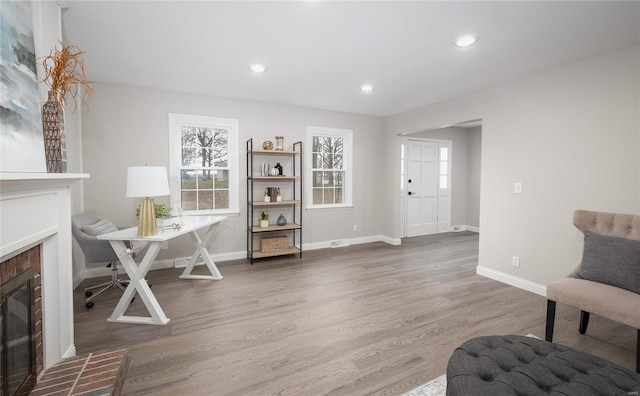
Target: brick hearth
(93,374)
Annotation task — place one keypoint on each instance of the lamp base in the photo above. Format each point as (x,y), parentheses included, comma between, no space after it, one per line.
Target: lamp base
(147,220)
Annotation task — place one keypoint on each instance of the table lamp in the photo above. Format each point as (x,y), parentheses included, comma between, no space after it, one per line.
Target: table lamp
(147,181)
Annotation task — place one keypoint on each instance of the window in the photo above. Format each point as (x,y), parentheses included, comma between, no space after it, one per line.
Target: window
(329,153)
(203,164)
(444,167)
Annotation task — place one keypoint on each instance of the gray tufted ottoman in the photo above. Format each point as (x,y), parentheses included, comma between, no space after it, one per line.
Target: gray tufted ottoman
(518,365)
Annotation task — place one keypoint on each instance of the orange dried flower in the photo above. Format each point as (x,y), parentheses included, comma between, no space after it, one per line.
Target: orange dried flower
(65,74)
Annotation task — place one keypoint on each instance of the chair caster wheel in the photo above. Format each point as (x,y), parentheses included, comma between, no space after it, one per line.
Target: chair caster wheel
(89,305)
(88,293)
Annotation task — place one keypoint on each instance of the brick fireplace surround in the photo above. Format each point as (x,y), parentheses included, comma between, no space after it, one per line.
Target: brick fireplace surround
(15,266)
(35,232)
(94,374)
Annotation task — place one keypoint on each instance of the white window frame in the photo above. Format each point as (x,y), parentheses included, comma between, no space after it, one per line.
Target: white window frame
(176,121)
(347,160)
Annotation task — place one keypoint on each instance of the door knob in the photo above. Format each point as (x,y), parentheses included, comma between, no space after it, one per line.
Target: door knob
(410,193)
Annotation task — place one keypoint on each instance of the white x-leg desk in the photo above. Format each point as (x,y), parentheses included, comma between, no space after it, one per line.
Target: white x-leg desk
(137,272)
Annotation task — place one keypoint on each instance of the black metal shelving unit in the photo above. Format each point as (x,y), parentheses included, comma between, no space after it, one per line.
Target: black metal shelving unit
(255,203)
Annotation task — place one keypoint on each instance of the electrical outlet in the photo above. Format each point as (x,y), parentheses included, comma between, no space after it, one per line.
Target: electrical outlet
(355,227)
(515,261)
(517,188)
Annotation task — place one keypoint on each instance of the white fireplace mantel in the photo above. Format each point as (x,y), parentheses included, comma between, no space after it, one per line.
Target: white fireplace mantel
(35,208)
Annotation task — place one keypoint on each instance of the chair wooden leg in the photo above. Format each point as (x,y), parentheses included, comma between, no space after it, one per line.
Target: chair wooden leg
(551,317)
(584,321)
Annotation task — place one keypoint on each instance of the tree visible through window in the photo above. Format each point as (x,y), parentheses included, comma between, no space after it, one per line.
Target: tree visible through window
(328,170)
(330,166)
(204,175)
(204,165)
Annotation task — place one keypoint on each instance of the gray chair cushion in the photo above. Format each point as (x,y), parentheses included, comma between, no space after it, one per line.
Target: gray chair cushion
(103,226)
(518,365)
(611,260)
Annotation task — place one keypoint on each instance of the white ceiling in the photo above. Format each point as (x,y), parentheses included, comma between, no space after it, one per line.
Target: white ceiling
(318,53)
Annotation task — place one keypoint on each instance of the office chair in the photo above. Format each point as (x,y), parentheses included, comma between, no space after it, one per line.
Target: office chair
(97,251)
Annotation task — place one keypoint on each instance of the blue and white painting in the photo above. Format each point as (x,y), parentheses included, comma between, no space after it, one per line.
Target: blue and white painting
(21,140)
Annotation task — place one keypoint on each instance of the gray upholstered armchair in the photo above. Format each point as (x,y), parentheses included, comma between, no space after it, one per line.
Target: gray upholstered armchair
(85,227)
(607,281)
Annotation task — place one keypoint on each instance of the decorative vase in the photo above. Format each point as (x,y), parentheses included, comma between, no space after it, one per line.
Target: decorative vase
(279,168)
(55,148)
(279,143)
(264,223)
(273,194)
(281,220)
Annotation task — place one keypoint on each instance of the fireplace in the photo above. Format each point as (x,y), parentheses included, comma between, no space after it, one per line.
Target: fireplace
(20,323)
(35,221)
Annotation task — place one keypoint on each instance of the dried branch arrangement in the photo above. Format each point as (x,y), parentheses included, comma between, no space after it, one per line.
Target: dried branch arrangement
(64,73)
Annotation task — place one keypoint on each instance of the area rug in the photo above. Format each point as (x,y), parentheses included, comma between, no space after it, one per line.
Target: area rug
(435,387)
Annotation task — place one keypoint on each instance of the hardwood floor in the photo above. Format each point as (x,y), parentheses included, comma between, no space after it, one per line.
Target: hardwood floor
(360,320)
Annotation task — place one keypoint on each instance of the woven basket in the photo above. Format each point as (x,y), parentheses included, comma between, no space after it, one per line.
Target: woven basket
(274,244)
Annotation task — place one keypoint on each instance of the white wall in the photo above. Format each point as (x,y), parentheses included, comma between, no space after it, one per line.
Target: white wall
(571,135)
(474,164)
(127,126)
(47,34)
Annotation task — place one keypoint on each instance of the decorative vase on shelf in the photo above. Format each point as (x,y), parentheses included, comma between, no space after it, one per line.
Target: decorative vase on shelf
(279,143)
(55,148)
(279,168)
(281,220)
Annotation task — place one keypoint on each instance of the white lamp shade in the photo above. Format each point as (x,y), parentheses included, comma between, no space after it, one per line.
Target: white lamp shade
(147,181)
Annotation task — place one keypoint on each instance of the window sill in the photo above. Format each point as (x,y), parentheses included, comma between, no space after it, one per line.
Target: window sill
(329,207)
(210,213)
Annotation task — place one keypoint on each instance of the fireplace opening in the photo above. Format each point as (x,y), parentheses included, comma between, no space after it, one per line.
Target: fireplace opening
(17,331)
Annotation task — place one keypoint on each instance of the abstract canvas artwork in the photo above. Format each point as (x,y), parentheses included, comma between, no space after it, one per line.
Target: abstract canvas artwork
(21,140)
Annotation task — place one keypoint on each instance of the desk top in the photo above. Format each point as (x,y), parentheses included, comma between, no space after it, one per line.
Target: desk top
(189,224)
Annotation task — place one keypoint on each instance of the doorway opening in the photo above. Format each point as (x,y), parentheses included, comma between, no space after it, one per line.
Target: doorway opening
(440,179)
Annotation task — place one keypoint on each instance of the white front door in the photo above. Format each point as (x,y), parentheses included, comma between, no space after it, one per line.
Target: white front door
(428,187)
(422,187)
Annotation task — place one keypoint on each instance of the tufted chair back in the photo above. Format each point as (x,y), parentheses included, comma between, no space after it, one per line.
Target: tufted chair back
(611,224)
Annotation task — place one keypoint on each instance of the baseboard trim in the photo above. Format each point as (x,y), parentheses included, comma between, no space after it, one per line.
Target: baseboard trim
(181,262)
(89,273)
(512,280)
(459,228)
(353,241)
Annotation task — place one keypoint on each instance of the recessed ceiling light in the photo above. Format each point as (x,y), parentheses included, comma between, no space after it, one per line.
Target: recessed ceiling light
(366,88)
(466,41)
(257,68)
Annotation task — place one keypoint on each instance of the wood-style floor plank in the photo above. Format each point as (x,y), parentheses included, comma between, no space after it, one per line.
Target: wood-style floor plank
(369,319)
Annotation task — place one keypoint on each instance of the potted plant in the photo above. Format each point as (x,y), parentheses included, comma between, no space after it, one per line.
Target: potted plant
(64,75)
(264,220)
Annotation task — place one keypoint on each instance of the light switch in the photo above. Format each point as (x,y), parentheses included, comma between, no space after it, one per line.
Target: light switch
(517,188)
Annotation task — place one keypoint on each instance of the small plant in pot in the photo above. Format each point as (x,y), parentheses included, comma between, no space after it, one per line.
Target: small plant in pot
(264,220)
